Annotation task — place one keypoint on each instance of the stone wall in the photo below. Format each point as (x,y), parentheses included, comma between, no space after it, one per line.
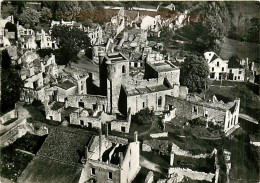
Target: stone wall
(84,120)
(149,177)
(194,175)
(7,116)
(148,100)
(158,135)
(192,110)
(20,130)
(178,151)
(120,126)
(231,118)
(169,115)
(90,101)
(54,115)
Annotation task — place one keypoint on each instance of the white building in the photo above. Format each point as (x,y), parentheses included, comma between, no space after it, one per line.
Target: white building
(217,67)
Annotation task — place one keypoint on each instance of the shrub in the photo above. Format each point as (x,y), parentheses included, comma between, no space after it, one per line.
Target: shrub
(144,116)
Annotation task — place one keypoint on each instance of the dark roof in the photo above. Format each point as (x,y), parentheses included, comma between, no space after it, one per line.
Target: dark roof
(234,63)
(66,84)
(65,146)
(57,105)
(214,58)
(45,170)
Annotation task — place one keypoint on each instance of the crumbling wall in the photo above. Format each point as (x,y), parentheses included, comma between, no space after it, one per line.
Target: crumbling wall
(120,126)
(149,177)
(169,115)
(84,120)
(54,115)
(20,130)
(191,110)
(194,175)
(7,116)
(89,101)
(148,100)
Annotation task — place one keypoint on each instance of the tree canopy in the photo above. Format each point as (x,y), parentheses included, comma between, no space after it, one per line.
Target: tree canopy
(30,16)
(11,83)
(46,14)
(67,10)
(194,73)
(200,38)
(70,41)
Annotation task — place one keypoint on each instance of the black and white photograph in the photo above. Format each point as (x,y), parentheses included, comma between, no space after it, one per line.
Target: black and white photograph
(129,91)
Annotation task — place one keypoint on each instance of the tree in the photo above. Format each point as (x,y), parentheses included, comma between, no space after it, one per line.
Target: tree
(11,28)
(194,73)
(30,17)
(144,116)
(67,10)
(11,84)
(70,41)
(46,14)
(200,36)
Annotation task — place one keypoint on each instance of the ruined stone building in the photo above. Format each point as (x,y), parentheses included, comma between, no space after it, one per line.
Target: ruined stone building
(125,91)
(111,159)
(219,113)
(46,41)
(37,73)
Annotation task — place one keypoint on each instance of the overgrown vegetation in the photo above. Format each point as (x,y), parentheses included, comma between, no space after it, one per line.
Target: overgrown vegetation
(10,88)
(194,73)
(70,42)
(13,161)
(144,116)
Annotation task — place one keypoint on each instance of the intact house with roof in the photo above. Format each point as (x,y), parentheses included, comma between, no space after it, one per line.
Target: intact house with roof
(224,115)
(111,159)
(218,68)
(231,69)
(236,71)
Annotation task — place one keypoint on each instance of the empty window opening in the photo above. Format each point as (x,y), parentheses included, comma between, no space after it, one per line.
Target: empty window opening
(94,106)
(195,110)
(110,175)
(160,101)
(123,69)
(90,125)
(81,122)
(81,104)
(93,171)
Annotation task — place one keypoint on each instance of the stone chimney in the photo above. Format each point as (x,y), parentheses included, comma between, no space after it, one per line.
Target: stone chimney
(136,136)
(100,145)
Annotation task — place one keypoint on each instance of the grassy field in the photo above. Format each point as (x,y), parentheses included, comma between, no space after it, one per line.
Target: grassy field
(248,9)
(242,49)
